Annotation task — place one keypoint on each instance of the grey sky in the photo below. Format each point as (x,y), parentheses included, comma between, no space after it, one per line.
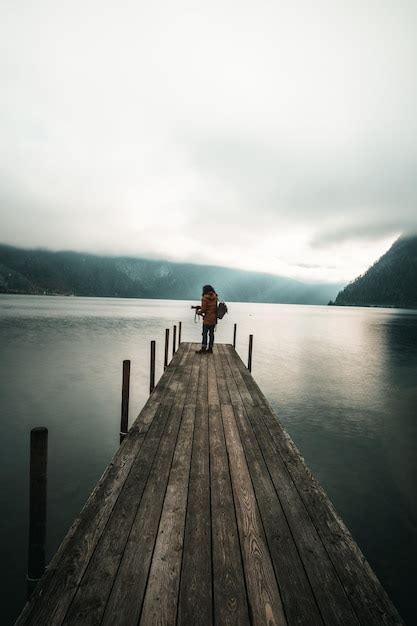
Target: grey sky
(263,135)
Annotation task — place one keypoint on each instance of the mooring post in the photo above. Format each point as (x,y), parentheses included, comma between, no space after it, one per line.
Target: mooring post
(174,340)
(124,420)
(37,506)
(179,332)
(250,353)
(152,369)
(166,348)
(234,335)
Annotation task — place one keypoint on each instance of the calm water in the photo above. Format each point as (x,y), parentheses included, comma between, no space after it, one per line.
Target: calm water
(343,381)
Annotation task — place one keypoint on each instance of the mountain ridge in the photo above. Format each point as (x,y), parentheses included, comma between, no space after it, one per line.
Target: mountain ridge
(390,282)
(39,271)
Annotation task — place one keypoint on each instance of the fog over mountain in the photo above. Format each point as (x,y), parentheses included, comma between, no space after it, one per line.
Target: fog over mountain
(391,281)
(268,136)
(70,273)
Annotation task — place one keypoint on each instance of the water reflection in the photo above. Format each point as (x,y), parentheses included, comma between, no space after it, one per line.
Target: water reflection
(342,380)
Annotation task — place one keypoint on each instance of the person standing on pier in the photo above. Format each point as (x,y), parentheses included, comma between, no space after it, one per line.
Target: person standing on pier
(208,311)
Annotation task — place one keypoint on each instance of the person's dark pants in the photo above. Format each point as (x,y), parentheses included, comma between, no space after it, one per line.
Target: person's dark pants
(208,334)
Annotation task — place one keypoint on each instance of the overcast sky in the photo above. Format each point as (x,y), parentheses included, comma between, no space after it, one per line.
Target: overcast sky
(269,135)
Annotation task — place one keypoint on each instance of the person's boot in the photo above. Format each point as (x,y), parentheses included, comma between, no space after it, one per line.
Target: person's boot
(201,351)
(210,351)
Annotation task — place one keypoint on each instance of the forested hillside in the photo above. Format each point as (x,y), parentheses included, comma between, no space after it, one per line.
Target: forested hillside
(391,281)
(71,273)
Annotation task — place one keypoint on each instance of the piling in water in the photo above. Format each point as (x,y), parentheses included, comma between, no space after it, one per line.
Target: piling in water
(166,348)
(152,368)
(250,353)
(124,420)
(174,340)
(37,506)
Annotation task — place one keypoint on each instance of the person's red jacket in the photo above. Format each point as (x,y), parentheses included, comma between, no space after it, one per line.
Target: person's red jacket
(209,308)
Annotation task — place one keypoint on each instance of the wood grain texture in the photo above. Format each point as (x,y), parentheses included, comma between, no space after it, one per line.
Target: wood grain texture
(300,607)
(213,379)
(53,595)
(365,592)
(202,397)
(191,397)
(329,593)
(222,391)
(229,588)
(128,591)
(206,515)
(161,599)
(195,598)
(366,595)
(91,598)
(262,589)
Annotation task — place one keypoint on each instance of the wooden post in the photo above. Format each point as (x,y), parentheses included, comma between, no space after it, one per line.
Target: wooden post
(234,335)
(179,332)
(166,348)
(152,369)
(124,420)
(174,340)
(250,353)
(37,506)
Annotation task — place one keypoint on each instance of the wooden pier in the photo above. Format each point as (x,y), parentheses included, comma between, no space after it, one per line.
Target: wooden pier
(206,515)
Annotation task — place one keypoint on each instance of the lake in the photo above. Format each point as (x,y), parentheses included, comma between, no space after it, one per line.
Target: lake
(342,380)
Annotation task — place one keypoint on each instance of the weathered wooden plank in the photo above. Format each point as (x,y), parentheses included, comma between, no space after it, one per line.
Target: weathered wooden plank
(91,598)
(229,585)
(166,381)
(257,397)
(212,381)
(202,396)
(195,597)
(222,390)
(297,596)
(262,589)
(191,397)
(161,597)
(329,593)
(367,597)
(229,590)
(54,593)
(208,514)
(125,600)
(366,594)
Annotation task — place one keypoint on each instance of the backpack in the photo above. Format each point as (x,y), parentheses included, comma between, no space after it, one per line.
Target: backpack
(221,310)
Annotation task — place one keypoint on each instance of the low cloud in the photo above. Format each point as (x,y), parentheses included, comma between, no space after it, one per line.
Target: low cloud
(373,231)
(275,138)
